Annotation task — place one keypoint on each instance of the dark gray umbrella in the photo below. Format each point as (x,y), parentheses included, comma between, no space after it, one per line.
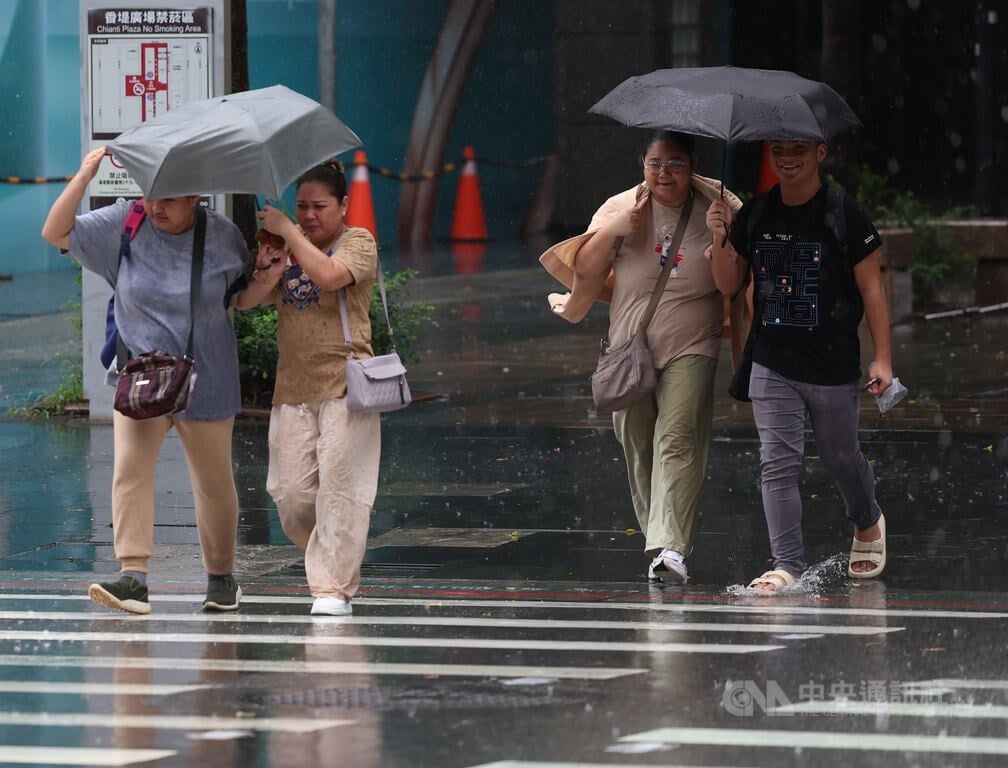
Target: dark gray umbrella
(255,141)
(730,103)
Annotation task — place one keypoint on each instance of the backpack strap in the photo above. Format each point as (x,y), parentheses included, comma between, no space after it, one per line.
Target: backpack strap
(836,221)
(130,227)
(836,218)
(759,204)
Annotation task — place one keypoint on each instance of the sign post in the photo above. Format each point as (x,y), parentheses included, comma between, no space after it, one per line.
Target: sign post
(138,60)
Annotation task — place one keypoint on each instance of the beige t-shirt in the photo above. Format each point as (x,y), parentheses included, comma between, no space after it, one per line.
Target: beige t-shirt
(312,351)
(689,316)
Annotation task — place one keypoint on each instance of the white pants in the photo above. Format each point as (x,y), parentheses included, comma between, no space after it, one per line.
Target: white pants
(323,477)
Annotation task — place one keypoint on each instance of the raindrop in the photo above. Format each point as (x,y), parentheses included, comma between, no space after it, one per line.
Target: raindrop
(960,164)
(914,5)
(955,139)
(893,166)
(879,43)
(1004,113)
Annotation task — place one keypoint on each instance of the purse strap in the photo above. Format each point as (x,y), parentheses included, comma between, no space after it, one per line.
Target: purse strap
(195,283)
(673,249)
(341,295)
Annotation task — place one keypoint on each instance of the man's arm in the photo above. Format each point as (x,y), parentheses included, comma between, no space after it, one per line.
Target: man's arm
(868,276)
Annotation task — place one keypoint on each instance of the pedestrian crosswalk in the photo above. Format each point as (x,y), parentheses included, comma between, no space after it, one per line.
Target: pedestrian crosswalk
(80,685)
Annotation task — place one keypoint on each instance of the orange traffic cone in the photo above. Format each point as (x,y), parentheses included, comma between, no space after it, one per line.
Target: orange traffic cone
(361,210)
(468,222)
(767,178)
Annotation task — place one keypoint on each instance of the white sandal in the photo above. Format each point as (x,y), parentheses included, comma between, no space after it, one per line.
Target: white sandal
(873,552)
(778,579)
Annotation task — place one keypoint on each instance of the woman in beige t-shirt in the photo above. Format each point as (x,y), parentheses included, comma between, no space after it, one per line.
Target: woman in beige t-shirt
(666,434)
(323,467)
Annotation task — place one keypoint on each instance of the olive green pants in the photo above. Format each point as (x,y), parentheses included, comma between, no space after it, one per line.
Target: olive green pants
(666,438)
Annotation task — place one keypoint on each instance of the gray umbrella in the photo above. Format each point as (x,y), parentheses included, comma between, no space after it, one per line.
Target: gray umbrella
(730,103)
(256,142)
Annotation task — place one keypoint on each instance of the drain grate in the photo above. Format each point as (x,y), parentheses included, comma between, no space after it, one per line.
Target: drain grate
(383,569)
(418,698)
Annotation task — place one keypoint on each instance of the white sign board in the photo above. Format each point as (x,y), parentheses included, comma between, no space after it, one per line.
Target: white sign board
(141,62)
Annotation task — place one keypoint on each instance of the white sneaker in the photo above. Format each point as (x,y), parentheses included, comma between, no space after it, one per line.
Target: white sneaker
(331,606)
(669,567)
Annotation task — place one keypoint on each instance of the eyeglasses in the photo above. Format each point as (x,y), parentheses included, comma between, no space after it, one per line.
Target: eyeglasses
(675,165)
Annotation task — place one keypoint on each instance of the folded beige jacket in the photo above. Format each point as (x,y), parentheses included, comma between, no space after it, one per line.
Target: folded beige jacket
(559,262)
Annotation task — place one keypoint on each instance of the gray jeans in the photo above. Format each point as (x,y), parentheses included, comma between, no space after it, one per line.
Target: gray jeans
(779,408)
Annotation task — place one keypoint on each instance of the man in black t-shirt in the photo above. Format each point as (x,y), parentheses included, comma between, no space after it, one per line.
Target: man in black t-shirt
(810,295)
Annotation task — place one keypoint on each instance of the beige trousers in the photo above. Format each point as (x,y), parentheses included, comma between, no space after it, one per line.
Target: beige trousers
(207,447)
(323,477)
(666,437)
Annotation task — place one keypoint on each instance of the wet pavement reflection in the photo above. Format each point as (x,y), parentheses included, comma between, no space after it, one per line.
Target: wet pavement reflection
(505,617)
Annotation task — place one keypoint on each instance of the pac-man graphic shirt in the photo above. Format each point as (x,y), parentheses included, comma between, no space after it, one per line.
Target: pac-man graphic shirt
(811,306)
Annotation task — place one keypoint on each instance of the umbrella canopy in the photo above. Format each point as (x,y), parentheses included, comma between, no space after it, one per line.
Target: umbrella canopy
(730,103)
(256,142)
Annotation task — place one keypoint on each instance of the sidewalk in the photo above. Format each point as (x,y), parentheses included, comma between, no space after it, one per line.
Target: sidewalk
(510,475)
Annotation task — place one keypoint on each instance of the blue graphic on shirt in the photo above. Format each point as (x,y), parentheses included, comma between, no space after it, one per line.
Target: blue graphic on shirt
(297,289)
(793,299)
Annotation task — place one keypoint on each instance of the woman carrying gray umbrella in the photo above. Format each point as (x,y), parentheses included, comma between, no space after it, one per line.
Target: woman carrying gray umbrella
(152,311)
(323,467)
(666,434)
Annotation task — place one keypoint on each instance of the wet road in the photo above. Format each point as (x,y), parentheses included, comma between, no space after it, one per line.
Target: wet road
(505,618)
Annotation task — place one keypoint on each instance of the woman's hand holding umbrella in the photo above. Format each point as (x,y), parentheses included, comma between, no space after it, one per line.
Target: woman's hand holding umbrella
(277,222)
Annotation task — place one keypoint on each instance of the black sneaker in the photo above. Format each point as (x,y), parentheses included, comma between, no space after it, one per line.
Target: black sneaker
(223,594)
(127,594)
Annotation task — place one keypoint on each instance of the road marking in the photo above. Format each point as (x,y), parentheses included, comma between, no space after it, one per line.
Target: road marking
(994,685)
(540,764)
(451,621)
(509,644)
(319,667)
(889,742)
(96,689)
(170,722)
(773,608)
(79,756)
(894,708)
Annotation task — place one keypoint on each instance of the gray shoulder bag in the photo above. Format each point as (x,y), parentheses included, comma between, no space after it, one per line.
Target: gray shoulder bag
(374,383)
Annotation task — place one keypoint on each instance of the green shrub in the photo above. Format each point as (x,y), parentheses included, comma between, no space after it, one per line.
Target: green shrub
(936,258)
(257,353)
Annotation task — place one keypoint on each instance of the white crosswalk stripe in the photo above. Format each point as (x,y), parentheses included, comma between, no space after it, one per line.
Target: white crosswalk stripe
(179,662)
(467,621)
(13,754)
(320,667)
